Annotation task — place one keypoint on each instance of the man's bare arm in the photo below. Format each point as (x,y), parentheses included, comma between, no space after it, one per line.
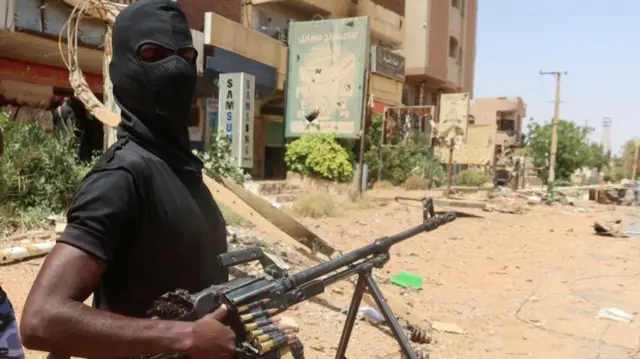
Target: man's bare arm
(56,320)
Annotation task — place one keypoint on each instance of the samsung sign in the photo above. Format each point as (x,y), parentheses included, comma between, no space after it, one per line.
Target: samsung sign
(237,94)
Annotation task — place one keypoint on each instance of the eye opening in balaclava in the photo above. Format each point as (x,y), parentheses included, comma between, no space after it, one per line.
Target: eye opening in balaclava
(150,52)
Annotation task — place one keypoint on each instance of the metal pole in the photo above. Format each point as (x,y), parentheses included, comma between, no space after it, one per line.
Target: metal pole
(366,114)
(554,132)
(380,148)
(450,170)
(634,167)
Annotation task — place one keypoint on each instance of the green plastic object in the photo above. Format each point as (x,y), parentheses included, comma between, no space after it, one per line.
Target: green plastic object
(407,280)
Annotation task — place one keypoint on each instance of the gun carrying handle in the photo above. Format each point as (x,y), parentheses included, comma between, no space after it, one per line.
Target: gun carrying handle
(231,259)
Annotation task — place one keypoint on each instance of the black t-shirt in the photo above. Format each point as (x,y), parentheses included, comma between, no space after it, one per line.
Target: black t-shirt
(157,229)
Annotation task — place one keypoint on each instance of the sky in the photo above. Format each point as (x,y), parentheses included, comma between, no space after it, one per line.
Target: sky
(596,42)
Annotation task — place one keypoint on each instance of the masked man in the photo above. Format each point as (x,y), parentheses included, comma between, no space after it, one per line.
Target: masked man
(142,222)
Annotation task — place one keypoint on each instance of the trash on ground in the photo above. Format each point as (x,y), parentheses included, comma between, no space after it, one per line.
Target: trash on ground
(534,200)
(407,280)
(615,314)
(610,229)
(447,327)
(368,313)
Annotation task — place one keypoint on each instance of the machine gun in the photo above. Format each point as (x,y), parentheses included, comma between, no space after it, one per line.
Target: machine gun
(253,301)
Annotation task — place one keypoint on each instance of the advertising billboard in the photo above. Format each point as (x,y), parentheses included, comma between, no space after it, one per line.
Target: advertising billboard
(453,118)
(326,76)
(235,108)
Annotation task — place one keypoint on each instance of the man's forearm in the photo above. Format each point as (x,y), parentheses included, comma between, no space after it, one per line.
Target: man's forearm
(78,330)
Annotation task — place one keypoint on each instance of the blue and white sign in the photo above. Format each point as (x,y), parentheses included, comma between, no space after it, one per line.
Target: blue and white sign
(236,105)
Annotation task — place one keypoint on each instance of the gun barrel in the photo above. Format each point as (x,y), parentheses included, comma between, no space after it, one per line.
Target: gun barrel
(380,245)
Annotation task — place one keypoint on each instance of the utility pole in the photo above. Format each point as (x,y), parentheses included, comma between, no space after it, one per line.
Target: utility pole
(606,134)
(634,166)
(554,131)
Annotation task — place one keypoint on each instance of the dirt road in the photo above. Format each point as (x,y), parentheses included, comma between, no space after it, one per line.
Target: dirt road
(519,285)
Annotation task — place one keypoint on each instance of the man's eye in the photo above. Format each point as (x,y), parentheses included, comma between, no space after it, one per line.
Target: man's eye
(153,53)
(188,53)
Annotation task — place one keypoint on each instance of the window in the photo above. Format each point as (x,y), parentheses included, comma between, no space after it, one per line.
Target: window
(471,120)
(453,47)
(506,125)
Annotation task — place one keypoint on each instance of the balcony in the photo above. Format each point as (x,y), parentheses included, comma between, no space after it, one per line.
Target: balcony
(386,25)
(323,8)
(232,36)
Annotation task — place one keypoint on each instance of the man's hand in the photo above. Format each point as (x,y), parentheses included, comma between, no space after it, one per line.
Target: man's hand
(211,339)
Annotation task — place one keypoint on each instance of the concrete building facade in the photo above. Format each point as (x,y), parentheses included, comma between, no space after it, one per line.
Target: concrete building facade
(268,21)
(33,76)
(505,119)
(440,48)
(507,114)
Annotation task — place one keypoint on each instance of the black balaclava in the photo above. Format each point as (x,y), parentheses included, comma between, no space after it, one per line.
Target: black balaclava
(155,97)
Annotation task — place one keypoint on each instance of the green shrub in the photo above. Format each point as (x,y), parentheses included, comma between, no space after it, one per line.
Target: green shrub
(431,170)
(319,155)
(414,183)
(217,160)
(402,161)
(38,174)
(471,178)
(383,185)
(315,205)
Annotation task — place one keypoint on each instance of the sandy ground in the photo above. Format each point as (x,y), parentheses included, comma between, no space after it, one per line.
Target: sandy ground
(520,286)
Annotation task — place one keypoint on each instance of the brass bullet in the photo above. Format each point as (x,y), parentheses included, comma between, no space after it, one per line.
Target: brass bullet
(276,342)
(260,323)
(258,314)
(253,305)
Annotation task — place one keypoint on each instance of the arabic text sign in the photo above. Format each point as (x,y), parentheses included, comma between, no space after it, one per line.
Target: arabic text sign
(237,94)
(387,63)
(326,76)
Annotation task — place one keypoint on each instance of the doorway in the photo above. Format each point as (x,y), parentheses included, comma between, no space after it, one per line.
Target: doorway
(275,168)
(89,131)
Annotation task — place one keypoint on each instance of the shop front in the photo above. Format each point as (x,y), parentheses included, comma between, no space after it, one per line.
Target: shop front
(387,79)
(226,62)
(230,48)
(31,92)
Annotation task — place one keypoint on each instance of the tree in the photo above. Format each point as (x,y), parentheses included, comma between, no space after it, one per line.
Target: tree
(598,157)
(626,160)
(574,150)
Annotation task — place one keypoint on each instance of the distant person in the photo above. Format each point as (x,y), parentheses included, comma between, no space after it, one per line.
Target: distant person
(63,115)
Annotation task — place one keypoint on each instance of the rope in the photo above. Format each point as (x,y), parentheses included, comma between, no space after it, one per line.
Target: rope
(107,12)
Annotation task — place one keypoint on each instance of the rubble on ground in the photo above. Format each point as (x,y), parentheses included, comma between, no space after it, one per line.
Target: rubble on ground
(614,228)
